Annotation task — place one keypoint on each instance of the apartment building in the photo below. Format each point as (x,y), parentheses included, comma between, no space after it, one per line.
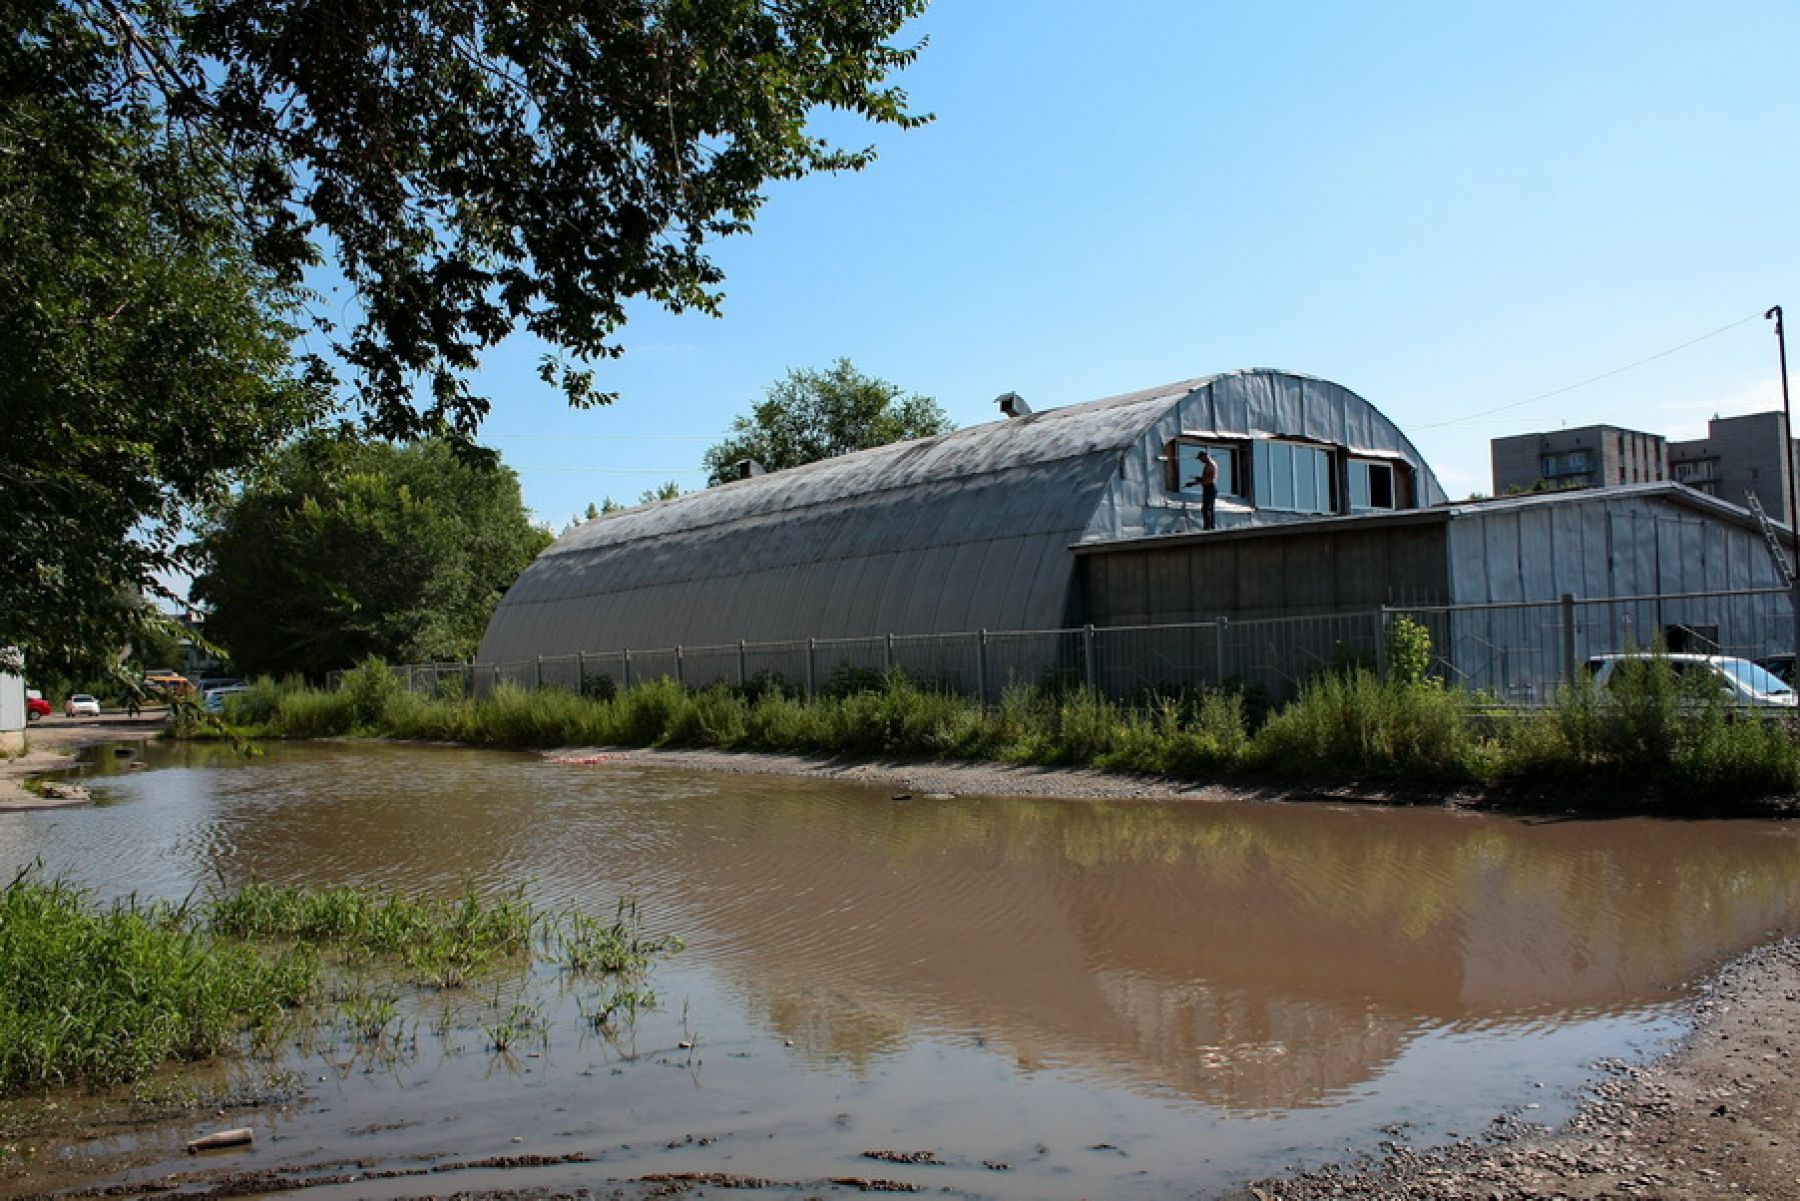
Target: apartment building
(1592,455)
(1739,455)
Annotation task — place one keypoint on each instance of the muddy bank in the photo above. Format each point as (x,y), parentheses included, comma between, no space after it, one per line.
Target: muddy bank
(964,778)
(54,741)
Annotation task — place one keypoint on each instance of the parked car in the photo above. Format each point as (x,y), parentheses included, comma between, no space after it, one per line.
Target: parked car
(213,699)
(1742,682)
(35,705)
(81,705)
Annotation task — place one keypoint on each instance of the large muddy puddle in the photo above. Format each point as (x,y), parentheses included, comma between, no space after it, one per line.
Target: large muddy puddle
(1055,999)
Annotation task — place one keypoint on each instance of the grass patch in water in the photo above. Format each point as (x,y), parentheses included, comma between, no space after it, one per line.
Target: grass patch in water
(102,995)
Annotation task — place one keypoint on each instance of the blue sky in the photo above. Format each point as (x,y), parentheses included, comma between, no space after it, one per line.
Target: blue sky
(1445,208)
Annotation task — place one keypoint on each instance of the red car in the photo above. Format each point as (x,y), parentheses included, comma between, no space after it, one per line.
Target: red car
(36,706)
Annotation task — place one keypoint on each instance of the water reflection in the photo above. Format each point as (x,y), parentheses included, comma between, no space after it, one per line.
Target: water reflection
(1248,958)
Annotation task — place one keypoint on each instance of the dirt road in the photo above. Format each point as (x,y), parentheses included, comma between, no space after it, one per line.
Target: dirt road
(54,741)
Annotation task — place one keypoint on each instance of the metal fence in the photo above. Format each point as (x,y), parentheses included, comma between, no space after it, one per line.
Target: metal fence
(1517,653)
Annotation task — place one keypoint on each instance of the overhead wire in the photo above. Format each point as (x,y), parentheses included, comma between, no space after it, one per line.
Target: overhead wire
(1519,404)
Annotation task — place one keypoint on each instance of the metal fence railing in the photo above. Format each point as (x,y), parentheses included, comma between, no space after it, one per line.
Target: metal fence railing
(1517,652)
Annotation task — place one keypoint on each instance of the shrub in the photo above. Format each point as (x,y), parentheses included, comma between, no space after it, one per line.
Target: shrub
(370,686)
(1355,726)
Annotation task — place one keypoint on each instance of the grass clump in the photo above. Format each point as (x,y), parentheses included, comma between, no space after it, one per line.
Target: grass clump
(101,996)
(1353,725)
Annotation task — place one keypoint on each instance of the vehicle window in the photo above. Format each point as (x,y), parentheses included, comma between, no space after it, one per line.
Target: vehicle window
(1754,678)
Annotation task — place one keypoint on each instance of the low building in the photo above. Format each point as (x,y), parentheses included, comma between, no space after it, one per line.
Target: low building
(965,531)
(1077,532)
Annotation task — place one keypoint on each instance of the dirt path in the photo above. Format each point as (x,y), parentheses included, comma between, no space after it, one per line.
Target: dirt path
(53,742)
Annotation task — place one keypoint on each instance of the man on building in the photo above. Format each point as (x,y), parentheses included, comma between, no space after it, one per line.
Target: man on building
(1208,479)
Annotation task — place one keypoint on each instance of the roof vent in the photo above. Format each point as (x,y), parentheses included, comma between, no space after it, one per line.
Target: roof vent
(743,469)
(1012,404)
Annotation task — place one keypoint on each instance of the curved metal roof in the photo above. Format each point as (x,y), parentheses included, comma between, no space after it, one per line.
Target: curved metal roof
(963,531)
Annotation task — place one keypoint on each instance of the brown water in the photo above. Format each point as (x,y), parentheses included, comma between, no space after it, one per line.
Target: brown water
(1115,1000)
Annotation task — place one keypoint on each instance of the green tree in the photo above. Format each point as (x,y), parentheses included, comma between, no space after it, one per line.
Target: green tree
(343,549)
(470,166)
(813,415)
(144,349)
(668,490)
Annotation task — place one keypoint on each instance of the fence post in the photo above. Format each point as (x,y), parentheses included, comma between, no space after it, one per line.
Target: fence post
(981,669)
(627,667)
(887,654)
(537,673)
(1568,637)
(1089,677)
(580,671)
(811,646)
(680,668)
(741,663)
(1221,626)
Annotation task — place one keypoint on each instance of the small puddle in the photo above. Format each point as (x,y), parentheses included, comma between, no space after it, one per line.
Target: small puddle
(1050,999)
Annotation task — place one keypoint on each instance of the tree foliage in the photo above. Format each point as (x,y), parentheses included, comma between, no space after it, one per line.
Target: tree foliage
(345,549)
(471,166)
(813,415)
(172,170)
(143,351)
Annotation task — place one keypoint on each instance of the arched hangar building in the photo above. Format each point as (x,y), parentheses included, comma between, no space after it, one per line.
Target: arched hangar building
(1086,514)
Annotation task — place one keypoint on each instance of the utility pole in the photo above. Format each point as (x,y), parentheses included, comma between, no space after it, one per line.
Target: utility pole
(1787,450)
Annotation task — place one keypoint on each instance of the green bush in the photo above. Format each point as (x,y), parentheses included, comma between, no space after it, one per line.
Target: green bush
(370,687)
(314,714)
(1354,726)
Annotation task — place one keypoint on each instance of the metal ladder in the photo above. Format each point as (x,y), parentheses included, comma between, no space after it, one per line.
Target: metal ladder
(1770,540)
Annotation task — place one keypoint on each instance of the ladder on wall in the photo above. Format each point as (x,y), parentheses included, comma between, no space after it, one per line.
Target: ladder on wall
(1770,540)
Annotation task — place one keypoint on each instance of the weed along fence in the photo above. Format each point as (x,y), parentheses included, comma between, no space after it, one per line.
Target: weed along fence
(1516,652)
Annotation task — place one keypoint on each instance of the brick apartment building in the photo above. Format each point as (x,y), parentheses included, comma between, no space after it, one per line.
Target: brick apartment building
(1739,455)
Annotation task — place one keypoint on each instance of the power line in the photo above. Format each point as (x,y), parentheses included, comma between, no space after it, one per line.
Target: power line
(1519,404)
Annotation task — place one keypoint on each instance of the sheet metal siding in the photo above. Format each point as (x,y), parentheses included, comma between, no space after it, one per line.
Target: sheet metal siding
(1246,404)
(1597,548)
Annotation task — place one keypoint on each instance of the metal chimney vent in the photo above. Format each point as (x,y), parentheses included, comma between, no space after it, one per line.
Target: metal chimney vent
(1012,404)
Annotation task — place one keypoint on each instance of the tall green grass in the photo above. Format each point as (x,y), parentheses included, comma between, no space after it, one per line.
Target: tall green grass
(1648,737)
(103,995)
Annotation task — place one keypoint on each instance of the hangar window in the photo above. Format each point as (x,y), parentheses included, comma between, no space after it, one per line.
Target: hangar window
(1292,476)
(1371,484)
(1183,461)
